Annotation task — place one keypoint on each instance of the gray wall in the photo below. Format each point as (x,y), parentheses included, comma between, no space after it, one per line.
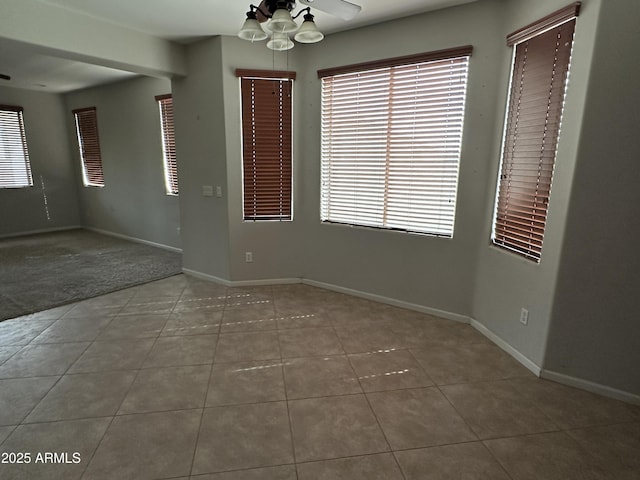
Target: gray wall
(595,328)
(133,201)
(506,282)
(23,210)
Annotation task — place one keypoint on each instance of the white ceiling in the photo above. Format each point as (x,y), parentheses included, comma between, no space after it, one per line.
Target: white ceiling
(181,21)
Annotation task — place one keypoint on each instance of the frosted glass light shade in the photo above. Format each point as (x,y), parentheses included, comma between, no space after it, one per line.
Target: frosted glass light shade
(308,33)
(252,31)
(282,22)
(280,42)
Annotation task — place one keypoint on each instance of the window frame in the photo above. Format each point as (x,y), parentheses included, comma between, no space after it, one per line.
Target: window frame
(269,196)
(87,133)
(167,130)
(403,205)
(522,196)
(14,152)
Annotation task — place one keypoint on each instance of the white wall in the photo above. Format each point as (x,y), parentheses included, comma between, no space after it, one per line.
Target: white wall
(23,210)
(133,201)
(506,282)
(595,328)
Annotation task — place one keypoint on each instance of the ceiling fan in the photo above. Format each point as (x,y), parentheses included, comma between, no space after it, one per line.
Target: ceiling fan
(281,22)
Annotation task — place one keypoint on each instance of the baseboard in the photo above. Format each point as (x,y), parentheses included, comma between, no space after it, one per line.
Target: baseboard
(591,386)
(241,283)
(134,239)
(524,361)
(390,301)
(42,230)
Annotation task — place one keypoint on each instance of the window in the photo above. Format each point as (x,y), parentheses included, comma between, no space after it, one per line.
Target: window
(266,144)
(391,140)
(89,143)
(15,170)
(532,126)
(165,103)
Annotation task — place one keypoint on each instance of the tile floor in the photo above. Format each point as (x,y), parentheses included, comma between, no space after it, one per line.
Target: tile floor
(186,379)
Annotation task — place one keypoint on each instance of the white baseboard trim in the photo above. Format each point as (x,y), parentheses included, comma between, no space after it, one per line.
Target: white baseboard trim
(591,386)
(134,239)
(524,361)
(390,301)
(42,230)
(241,283)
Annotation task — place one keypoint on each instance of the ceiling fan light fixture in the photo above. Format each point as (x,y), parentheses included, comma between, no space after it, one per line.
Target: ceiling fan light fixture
(281,22)
(308,32)
(280,42)
(251,29)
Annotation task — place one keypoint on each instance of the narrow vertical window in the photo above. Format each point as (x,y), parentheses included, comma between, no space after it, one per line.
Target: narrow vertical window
(542,52)
(165,103)
(89,144)
(266,144)
(15,168)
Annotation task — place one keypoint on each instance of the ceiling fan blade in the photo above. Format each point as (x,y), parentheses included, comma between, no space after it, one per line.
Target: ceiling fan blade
(340,8)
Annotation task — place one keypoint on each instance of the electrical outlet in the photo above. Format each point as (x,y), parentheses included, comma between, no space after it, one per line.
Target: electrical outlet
(248,257)
(524,316)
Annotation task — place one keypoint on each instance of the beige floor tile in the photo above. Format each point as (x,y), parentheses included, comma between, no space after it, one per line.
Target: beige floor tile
(20,332)
(42,360)
(371,338)
(253,294)
(301,320)
(193,323)
(307,342)
(570,407)
(248,319)
(332,427)
(369,467)
(83,396)
(616,448)
(496,409)
(79,437)
(449,364)
(548,456)
(301,307)
(73,330)
(7,352)
(203,305)
(18,396)
(146,446)
(5,431)
(243,436)
(418,418)
(429,331)
(238,383)
(182,350)
(149,306)
(468,461)
(243,347)
(133,326)
(319,377)
(167,388)
(388,370)
(89,309)
(284,472)
(114,355)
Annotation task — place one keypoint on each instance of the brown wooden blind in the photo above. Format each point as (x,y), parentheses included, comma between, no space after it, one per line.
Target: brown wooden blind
(266,147)
(165,103)
(89,143)
(536,99)
(15,168)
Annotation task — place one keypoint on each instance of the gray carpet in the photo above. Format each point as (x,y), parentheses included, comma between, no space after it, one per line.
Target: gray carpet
(38,272)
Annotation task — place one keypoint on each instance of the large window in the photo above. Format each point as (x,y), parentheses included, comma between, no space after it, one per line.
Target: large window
(165,103)
(266,144)
(15,170)
(538,82)
(391,141)
(89,143)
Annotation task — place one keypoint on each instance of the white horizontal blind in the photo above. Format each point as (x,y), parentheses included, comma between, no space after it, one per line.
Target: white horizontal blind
(15,170)
(165,103)
(391,140)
